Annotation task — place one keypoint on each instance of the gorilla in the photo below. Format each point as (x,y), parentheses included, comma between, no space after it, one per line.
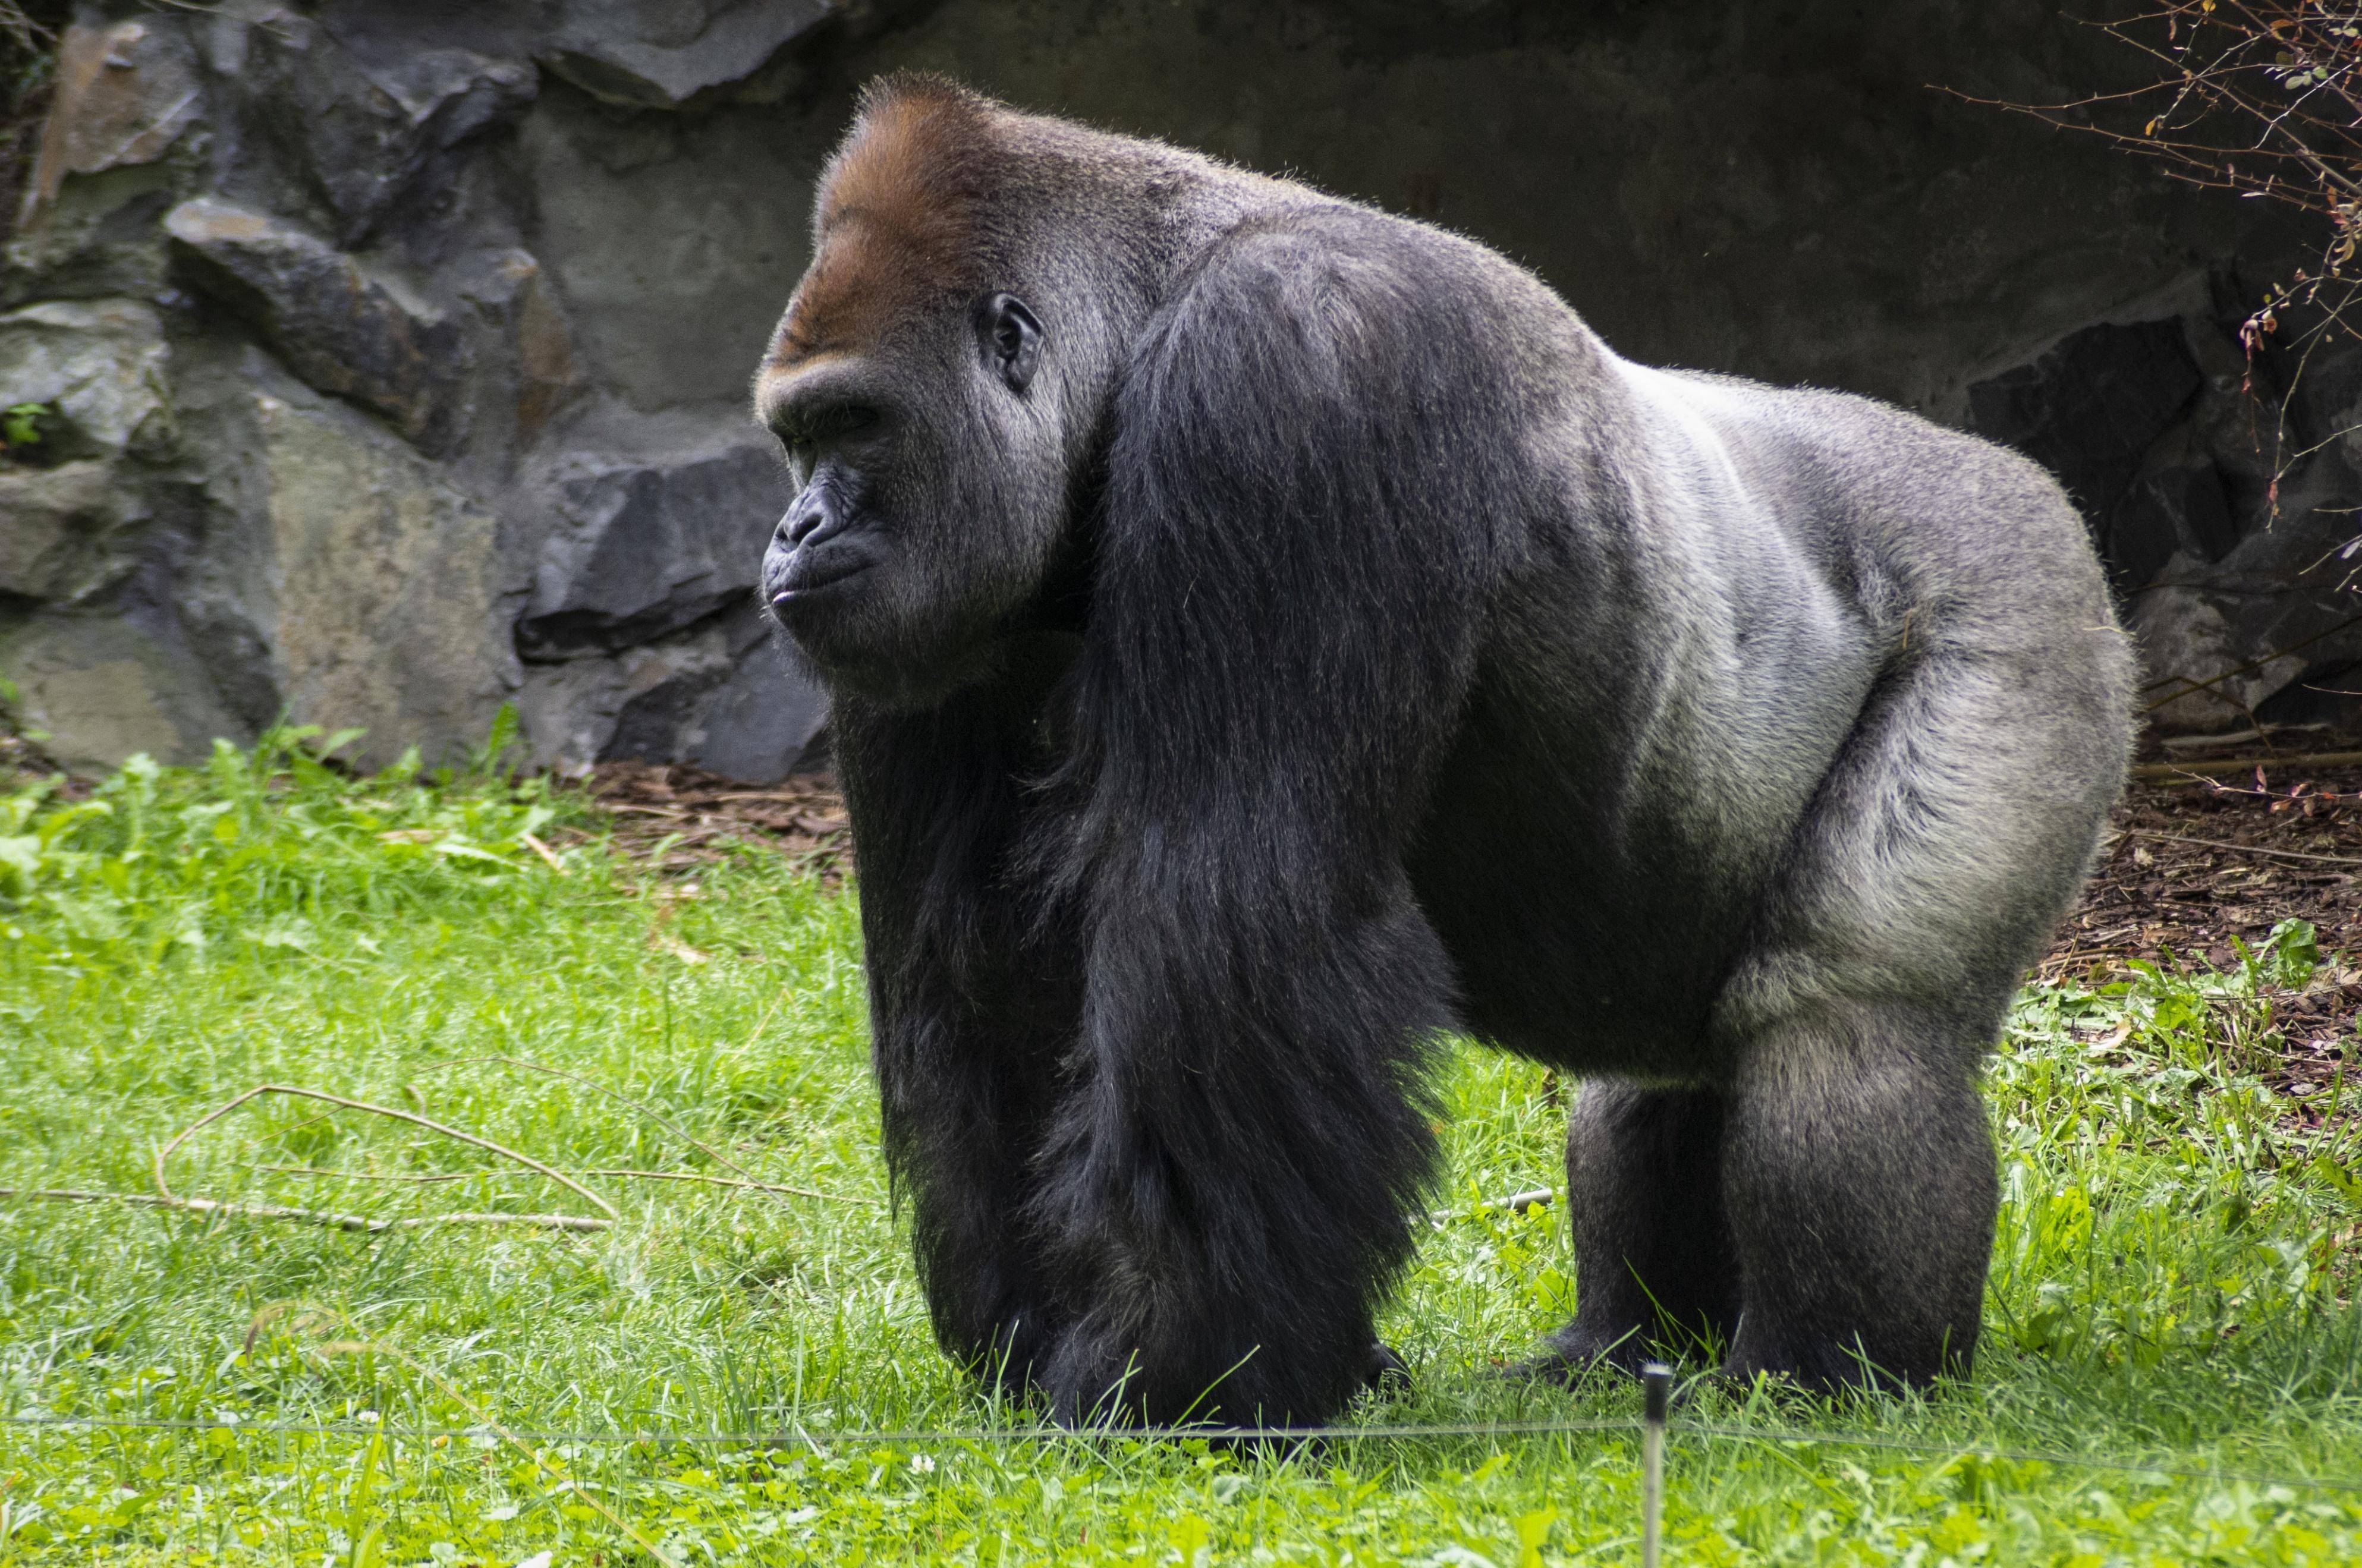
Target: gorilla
(1267,635)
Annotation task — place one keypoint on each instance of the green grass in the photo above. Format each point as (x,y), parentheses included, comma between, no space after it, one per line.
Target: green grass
(2170,1285)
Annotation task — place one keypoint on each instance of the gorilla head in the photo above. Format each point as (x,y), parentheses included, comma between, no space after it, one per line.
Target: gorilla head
(919,397)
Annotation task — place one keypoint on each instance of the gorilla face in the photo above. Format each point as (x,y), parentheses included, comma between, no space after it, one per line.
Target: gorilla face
(931,495)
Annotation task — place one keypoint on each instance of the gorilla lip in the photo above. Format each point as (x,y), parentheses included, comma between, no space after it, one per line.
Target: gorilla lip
(806,587)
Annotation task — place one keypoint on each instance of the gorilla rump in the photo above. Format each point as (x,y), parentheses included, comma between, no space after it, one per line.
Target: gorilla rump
(1266,635)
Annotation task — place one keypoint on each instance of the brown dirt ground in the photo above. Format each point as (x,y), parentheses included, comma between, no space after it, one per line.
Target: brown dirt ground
(2191,864)
(679,818)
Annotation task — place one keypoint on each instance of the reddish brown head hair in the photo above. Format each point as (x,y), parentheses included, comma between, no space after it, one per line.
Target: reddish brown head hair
(897,225)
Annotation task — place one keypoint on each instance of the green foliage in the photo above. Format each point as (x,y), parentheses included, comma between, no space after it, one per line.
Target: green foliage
(2173,1266)
(20,426)
(275,847)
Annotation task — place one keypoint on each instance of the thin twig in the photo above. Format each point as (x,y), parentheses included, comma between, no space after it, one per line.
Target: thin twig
(428,1178)
(733,1182)
(2244,848)
(2192,688)
(360,1222)
(165,1153)
(549,856)
(2228,766)
(374,1176)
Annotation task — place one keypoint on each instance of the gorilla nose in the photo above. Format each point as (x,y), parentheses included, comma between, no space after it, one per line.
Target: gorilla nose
(816,544)
(810,519)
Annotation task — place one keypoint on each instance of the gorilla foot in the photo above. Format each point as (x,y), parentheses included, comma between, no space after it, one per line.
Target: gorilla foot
(1566,1356)
(1387,1377)
(1837,1375)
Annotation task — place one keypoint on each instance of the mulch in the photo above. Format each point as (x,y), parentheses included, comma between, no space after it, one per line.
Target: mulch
(677,817)
(2191,864)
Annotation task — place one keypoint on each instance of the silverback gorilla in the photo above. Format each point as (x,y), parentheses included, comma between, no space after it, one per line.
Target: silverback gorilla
(1267,635)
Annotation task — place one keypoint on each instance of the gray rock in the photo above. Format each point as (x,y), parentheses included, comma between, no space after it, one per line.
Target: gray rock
(71,509)
(721,697)
(2088,409)
(69,531)
(536,344)
(101,365)
(668,276)
(104,689)
(2177,509)
(661,53)
(759,723)
(381,578)
(646,549)
(123,94)
(339,327)
(373,114)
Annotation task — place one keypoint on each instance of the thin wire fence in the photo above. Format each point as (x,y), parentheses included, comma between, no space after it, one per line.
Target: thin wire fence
(797,1437)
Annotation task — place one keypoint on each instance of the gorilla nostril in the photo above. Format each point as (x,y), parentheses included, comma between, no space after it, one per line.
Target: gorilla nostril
(802,520)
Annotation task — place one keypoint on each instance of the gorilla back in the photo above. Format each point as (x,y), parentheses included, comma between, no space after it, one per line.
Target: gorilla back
(1266,635)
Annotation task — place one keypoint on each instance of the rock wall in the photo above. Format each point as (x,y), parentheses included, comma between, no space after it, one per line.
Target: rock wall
(390,355)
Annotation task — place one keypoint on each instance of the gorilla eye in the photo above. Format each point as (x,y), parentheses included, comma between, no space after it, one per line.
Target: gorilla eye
(838,421)
(1012,338)
(806,429)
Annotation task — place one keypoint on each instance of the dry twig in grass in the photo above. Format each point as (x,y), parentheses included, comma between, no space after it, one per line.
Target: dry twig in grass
(749,1185)
(165,1153)
(2229,766)
(432,1177)
(360,1222)
(549,856)
(2246,849)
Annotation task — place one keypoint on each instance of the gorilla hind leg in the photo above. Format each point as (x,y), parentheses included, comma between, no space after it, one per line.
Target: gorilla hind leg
(1947,837)
(1860,1178)
(1655,1269)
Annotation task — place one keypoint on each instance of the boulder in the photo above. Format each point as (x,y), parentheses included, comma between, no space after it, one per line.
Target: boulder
(658,54)
(71,511)
(759,723)
(104,687)
(100,365)
(643,550)
(374,113)
(2177,508)
(123,96)
(2088,409)
(339,328)
(534,342)
(379,577)
(67,532)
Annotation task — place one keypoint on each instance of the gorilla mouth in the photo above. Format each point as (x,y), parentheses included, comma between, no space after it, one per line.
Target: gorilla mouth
(802,586)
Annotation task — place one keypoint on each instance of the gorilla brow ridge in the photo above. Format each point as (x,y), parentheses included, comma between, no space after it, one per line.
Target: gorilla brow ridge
(897,218)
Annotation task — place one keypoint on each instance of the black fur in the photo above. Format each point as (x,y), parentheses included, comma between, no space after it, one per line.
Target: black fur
(1326,643)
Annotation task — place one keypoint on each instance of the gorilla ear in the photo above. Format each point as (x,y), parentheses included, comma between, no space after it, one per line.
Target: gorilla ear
(1012,338)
